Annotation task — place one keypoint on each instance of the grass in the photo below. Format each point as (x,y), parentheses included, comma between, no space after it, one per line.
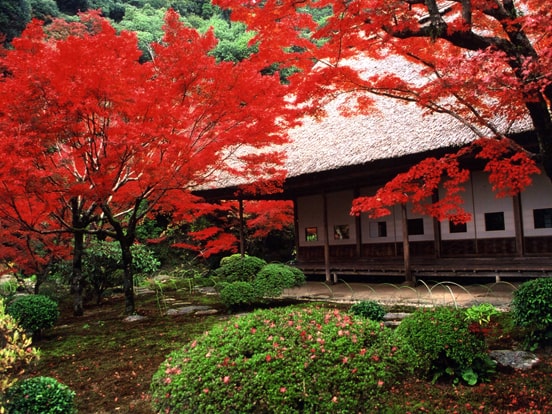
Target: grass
(109,363)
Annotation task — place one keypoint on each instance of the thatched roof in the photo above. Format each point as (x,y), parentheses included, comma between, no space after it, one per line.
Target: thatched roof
(391,130)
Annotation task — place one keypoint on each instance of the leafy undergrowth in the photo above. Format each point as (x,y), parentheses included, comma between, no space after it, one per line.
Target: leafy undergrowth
(109,364)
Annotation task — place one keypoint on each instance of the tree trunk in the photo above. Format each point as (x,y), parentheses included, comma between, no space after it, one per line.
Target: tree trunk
(77,282)
(128,276)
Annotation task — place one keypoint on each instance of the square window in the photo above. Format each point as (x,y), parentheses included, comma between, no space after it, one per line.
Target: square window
(378,229)
(494,221)
(415,226)
(542,217)
(382,229)
(311,233)
(457,227)
(341,232)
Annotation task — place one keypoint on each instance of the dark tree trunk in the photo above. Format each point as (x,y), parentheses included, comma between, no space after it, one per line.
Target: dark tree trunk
(128,276)
(77,281)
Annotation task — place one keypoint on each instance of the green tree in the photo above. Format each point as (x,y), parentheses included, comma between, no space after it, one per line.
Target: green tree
(44,9)
(14,16)
(147,22)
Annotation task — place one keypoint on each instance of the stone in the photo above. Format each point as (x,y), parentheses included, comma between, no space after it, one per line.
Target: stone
(514,359)
(134,318)
(187,310)
(206,312)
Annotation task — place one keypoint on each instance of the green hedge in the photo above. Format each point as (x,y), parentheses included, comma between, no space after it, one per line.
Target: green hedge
(44,395)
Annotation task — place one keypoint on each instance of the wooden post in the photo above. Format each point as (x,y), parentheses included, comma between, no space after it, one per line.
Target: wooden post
(406,247)
(242,231)
(326,240)
(518,220)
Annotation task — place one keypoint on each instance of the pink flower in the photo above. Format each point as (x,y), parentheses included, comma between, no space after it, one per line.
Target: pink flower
(380,383)
(226,379)
(283,389)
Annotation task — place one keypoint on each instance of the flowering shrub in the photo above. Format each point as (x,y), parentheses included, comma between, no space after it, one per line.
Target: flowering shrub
(15,351)
(285,360)
(445,345)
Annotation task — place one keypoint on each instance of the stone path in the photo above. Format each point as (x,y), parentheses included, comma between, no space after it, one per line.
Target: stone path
(444,293)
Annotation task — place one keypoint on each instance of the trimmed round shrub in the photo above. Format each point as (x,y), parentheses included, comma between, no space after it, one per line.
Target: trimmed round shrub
(284,360)
(273,278)
(34,313)
(15,351)
(236,268)
(238,293)
(445,345)
(369,309)
(44,395)
(532,308)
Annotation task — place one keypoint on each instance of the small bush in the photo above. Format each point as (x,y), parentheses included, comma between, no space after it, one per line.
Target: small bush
(15,350)
(44,395)
(284,360)
(34,313)
(239,293)
(445,345)
(273,278)
(236,268)
(532,309)
(369,309)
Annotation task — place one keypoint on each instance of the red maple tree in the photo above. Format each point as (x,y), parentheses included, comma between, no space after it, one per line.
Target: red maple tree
(109,138)
(487,63)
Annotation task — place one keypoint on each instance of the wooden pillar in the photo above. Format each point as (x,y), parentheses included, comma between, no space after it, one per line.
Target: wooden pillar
(296,228)
(326,234)
(242,225)
(358,229)
(436,230)
(406,246)
(518,221)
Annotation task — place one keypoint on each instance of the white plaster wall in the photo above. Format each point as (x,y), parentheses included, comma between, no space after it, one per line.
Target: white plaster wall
(394,225)
(468,205)
(339,208)
(310,213)
(538,196)
(367,223)
(485,201)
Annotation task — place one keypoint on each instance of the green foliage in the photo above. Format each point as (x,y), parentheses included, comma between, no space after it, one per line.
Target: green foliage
(273,278)
(239,268)
(15,350)
(369,309)
(102,262)
(445,345)
(248,280)
(44,9)
(481,314)
(34,313)
(239,293)
(284,360)
(14,16)
(147,22)
(43,395)
(532,308)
